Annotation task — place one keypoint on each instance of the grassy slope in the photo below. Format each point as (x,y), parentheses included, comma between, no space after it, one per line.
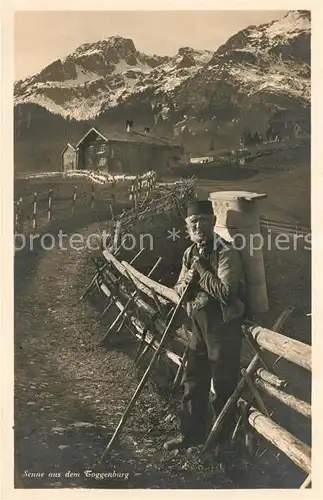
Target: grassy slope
(288,193)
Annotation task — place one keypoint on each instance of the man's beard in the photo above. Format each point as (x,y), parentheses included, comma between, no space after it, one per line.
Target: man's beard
(198,237)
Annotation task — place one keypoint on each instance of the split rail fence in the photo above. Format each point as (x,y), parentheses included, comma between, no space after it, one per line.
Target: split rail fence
(276,226)
(146,308)
(32,208)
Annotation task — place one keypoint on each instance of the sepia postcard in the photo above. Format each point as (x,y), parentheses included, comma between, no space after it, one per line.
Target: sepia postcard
(161,298)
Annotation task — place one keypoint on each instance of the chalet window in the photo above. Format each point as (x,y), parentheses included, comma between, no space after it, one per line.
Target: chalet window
(102,148)
(102,162)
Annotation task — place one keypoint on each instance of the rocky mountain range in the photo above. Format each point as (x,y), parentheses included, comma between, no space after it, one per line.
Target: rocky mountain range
(194,97)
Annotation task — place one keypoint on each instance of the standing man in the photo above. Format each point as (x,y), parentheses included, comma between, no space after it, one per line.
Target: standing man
(215,304)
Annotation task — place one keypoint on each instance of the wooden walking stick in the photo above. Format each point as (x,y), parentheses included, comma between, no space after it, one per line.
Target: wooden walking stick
(146,374)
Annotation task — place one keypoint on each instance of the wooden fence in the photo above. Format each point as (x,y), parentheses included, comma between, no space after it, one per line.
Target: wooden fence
(145,307)
(141,186)
(278,226)
(32,208)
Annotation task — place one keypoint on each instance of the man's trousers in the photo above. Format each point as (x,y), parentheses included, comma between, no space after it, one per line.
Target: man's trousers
(214,353)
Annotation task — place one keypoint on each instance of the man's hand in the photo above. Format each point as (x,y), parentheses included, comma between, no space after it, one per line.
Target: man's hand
(200,265)
(190,276)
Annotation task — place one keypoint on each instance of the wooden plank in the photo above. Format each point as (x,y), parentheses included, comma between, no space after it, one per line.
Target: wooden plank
(161,290)
(288,399)
(296,450)
(125,268)
(293,350)
(271,378)
(230,404)
(284,315)
(233,399)
(254,392)
(145,376)
(147,309)
(139,325)
(133,299)
(159,323)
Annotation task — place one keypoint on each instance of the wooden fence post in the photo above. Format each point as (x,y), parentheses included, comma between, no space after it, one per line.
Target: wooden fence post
(141,185)
(297,229)
(293,350)
(136,192)
(21,216)
(34,216)
(296,450)
(50,194)
(112,212)
(132,192)
(74,199)
(92,196)
(113,190)
(17,216)
(146,185)
(19,220)
(150,183)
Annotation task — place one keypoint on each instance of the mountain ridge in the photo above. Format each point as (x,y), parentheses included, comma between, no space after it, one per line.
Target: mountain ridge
(195,95)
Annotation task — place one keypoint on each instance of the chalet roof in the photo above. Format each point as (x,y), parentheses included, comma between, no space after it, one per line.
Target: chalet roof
(133,136)
(291,115)
(68,145)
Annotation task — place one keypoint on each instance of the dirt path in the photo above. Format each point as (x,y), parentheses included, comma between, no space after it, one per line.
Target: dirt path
(70,395)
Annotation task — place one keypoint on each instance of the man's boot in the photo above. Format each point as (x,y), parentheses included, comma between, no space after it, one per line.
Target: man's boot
(182,442)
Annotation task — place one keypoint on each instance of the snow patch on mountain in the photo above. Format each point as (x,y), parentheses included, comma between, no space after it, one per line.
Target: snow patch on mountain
(270,58)
(288,27)
(101,75)
(122,66)
(274,82)
(88,107)
(82,77)
(280,77)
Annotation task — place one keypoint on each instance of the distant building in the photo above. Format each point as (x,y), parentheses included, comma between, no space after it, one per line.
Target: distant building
(69,157)
(289,124)
(128,152)
(201,159)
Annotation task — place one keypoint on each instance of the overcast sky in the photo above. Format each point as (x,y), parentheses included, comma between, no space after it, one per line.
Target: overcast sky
(43,37)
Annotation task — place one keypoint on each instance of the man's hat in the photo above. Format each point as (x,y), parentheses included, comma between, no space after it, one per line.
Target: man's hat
(199,207)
